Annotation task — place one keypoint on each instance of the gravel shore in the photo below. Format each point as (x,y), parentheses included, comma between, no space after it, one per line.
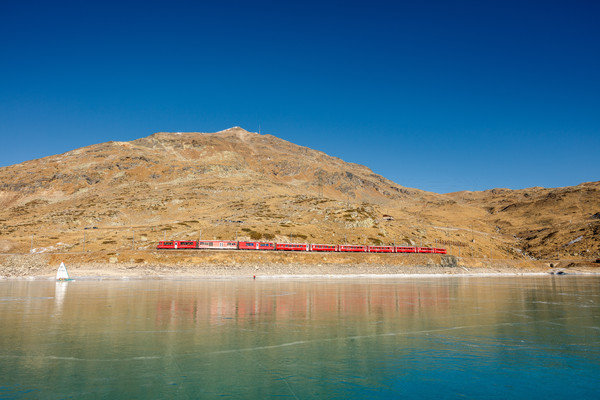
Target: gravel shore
(209,265)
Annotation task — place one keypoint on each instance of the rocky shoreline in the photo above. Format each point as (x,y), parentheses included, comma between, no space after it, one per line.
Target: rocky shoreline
(233,264)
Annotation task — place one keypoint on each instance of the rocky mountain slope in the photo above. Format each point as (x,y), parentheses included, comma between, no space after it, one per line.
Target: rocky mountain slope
(123,195)
(545,223)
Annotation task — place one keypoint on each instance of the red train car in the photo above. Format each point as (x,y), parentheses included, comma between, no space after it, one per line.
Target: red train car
(218,244)
(323,247)
(177,244)
(439,251)
(164,244)
(248,245)
(266,246)
(405,249)
(256,246)
(291,247)
(426,250)
(352,248)
(185,244)
(381,249)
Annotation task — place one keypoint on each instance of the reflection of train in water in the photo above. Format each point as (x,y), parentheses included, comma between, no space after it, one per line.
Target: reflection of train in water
(235,245)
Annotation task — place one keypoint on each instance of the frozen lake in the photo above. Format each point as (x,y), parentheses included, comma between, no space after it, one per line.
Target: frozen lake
(440,337)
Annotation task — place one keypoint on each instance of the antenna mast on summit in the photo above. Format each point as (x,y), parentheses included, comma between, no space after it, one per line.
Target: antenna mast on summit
(259,129)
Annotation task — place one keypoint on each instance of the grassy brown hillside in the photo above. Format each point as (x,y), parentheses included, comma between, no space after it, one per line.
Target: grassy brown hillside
(545,223)
(122,195)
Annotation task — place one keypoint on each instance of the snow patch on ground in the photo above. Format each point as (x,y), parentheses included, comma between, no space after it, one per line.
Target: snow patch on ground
(58,246)
(574,241)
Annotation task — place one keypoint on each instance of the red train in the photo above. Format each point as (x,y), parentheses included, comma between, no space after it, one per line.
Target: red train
(234,245)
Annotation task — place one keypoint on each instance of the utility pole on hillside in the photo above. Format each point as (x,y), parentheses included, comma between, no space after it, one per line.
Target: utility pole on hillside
(320,186)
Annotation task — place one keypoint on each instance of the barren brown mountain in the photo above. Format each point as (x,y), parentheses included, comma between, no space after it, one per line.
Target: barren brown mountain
(114,196)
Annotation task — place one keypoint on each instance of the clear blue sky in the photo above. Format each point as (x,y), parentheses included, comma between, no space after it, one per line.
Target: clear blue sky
(437,95)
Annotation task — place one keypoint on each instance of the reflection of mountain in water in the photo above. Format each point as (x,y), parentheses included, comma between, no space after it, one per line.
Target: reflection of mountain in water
(305,301)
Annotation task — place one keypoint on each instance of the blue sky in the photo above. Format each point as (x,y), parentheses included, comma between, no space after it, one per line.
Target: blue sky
(437,95)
